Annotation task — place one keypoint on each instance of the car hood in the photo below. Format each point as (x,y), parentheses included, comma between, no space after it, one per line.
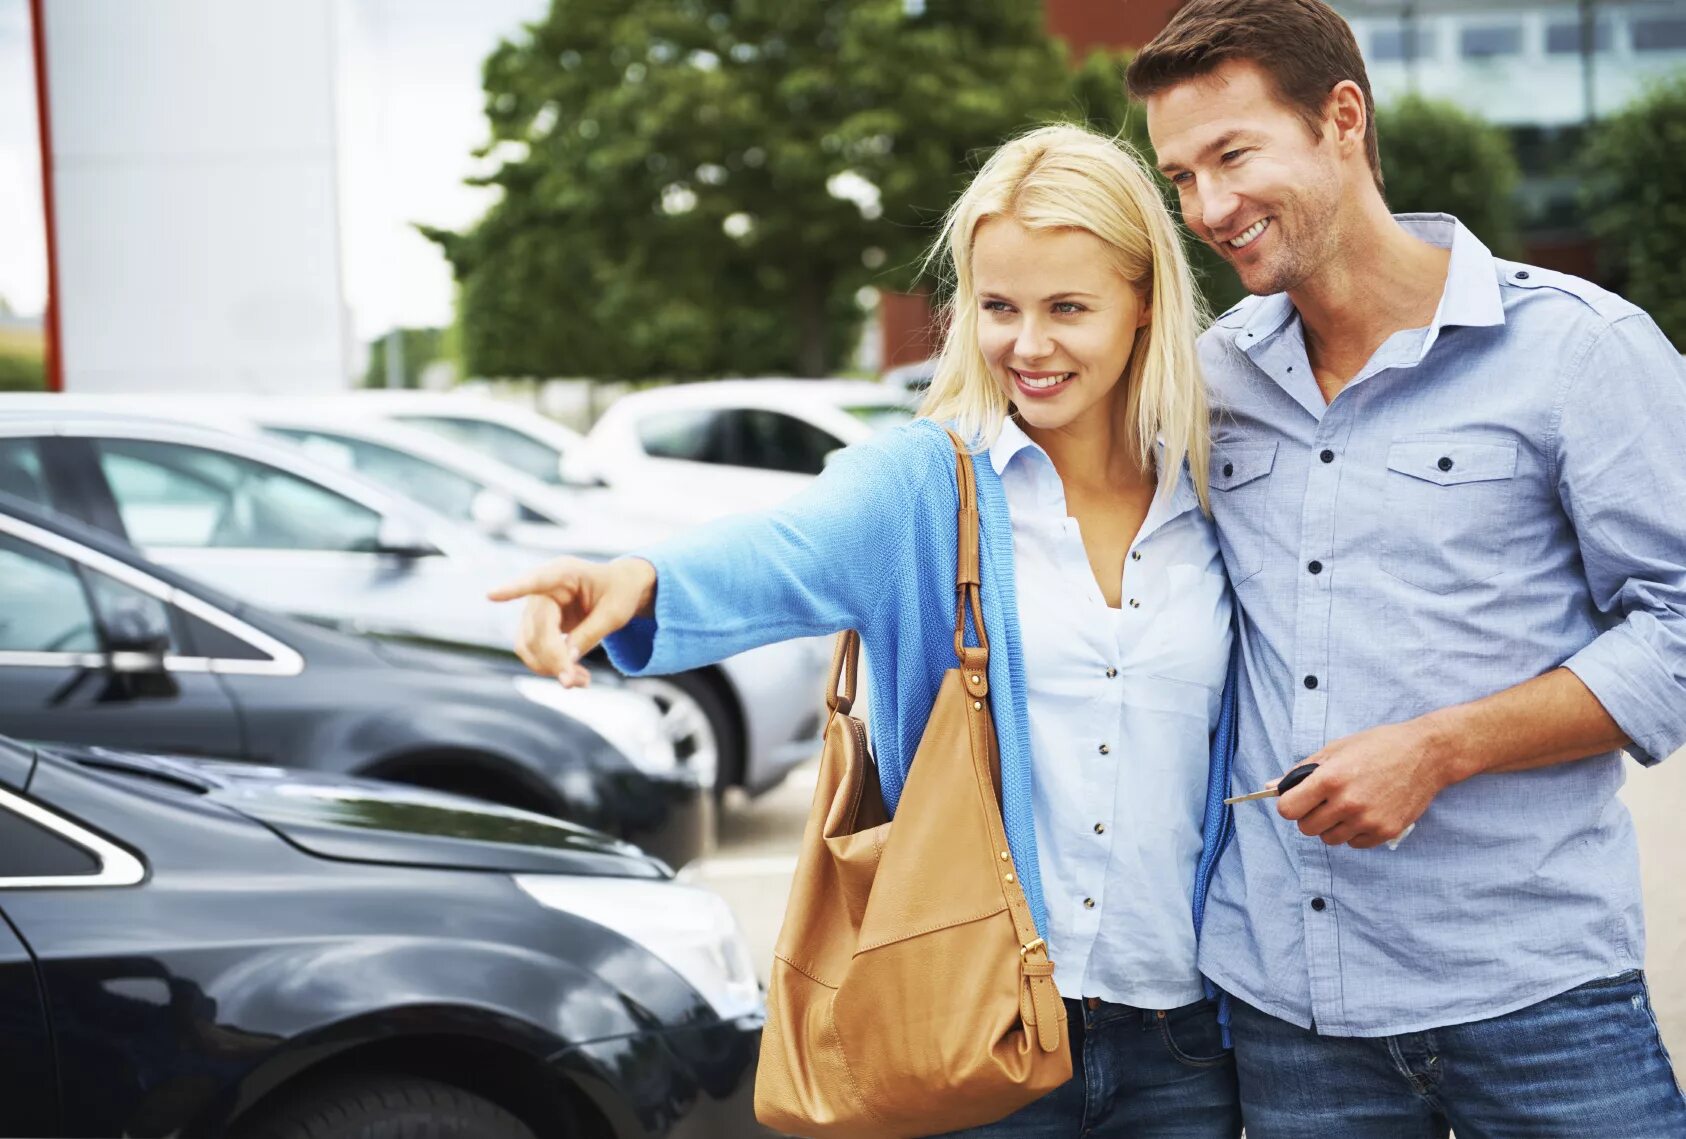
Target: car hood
(366,820)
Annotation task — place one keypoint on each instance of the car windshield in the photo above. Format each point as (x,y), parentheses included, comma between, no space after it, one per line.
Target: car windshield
(422,480)
(878,416)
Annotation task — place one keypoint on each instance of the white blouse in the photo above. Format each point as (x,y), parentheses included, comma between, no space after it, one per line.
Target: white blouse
(1122,703)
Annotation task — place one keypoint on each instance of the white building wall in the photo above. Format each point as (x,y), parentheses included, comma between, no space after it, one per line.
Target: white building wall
(195,191)
(1533,87)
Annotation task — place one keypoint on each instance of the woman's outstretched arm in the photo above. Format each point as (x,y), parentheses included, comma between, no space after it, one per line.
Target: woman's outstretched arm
(822,562)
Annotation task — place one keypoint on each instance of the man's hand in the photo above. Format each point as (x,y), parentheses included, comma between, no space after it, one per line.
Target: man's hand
(1370,786)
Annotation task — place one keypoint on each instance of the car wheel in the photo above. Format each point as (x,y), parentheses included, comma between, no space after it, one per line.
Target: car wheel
(388,1107)
(703,728)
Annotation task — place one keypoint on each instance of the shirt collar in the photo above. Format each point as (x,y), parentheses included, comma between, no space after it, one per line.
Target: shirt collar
(1012,442)
(1470,298)
(1009,441)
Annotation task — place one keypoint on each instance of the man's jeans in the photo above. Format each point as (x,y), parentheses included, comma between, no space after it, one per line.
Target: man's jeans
(1141,1073)
(1588,1062)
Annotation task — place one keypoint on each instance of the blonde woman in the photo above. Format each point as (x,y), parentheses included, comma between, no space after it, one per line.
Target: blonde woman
(1070,363)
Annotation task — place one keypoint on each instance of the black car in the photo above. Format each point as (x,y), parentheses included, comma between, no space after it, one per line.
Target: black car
(99,646)
(191,948)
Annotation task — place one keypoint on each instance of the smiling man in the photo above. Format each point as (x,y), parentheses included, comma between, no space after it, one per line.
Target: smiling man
(1447,489)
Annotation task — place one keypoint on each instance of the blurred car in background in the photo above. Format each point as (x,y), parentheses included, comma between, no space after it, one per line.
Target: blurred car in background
(259,518)
(912,380)
(732,445)
(99,647)
(200,949)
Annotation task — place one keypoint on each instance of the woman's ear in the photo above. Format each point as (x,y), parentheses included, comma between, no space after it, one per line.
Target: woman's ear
(1145,316)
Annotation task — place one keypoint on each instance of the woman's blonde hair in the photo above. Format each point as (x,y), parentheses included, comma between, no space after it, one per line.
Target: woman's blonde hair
(1069,177)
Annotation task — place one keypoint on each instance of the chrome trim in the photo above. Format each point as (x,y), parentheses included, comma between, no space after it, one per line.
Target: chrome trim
(283,660)
(117,866)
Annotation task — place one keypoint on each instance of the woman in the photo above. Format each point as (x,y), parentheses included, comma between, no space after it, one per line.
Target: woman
(1070,361)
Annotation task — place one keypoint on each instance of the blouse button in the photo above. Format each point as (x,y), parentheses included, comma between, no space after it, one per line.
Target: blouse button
(1135,555)
(1134,604)
(1105,750)
(1088,903)
(1111,672)
(1100,828)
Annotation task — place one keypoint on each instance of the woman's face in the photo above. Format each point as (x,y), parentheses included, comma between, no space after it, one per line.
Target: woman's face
(1056,321)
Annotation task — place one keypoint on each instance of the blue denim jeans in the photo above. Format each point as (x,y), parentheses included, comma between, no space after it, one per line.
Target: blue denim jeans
(1588,1062)
(1142,1073)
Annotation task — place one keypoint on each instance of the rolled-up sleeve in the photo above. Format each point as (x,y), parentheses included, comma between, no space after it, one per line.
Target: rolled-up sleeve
(1621,475)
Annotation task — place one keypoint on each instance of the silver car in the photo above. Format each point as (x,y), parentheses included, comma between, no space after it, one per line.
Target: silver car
(259,518)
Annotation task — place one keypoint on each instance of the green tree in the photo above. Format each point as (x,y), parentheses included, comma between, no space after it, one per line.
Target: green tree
(1635,192)
(1439,158)
(697,187)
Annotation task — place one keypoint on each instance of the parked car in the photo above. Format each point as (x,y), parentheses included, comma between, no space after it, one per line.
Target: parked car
(732,445)
(99,647)
(199,949)
(260,519)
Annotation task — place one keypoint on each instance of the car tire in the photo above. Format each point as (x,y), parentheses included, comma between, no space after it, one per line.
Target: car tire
(387,1107)
(700,721)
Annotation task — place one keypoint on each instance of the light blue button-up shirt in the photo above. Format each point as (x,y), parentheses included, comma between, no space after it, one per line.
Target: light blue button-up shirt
(1491,497)
(1122,703)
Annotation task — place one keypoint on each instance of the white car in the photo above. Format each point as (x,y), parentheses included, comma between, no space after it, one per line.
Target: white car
(733,445)
(259,518)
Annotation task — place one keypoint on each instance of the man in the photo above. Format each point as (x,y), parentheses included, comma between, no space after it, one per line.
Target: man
(1449,494)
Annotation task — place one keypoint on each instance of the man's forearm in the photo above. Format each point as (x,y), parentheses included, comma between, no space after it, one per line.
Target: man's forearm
(1550,719)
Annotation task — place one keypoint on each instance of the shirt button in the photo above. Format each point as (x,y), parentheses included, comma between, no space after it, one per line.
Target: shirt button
(1319,904)
(1327,456)
(1088,903)
(1522,274)
(1111,672)
(1445,463)
(1229,469)
(1100,828)
(1315,567)
(1311,682)
(1105,750)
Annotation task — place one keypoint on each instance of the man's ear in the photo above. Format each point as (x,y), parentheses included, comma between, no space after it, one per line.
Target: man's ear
(1348,117)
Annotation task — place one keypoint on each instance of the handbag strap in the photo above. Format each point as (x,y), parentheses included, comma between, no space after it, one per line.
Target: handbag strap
(968,591)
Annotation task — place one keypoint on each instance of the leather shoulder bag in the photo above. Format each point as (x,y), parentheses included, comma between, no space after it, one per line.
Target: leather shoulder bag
(910,994)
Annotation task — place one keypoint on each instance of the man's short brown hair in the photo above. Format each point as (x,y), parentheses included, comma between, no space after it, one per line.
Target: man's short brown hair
(1303,45)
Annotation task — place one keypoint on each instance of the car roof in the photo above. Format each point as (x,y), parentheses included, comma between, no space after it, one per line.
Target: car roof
(767,393)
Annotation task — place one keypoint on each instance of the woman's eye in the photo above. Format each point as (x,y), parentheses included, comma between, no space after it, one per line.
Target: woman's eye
(996,306)
(1067,307)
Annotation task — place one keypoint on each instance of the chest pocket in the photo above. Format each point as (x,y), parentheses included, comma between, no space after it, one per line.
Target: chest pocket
(1447,510)
(1240,483)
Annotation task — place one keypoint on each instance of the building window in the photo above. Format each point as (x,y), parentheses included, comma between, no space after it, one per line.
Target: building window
(1400,44)
(1565,39)
(1659,33)
(1490,41)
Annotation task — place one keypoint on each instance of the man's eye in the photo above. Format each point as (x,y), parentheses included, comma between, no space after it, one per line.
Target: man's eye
(1233,154)
(1181,178)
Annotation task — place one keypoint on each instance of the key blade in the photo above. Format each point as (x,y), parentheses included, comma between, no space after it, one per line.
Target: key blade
(1267,794)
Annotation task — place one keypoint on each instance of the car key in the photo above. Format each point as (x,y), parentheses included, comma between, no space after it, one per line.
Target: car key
(1292,780)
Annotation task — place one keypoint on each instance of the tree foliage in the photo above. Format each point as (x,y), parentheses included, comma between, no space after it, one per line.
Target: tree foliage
(697,187)
(1439,158)
(1635,192)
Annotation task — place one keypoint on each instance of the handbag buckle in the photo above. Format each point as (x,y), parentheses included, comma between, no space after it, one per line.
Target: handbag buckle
(1027,947)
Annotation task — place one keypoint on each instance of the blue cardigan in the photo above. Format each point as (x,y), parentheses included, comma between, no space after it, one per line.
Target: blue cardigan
(871,546)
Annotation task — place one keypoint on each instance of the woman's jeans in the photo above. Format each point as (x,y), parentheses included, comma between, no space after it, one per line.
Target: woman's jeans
(1585,1063)
(1142,1073)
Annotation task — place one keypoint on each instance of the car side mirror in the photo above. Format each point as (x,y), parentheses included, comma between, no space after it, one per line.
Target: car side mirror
(400,539)
(495,514)
(137,635)
(580,472)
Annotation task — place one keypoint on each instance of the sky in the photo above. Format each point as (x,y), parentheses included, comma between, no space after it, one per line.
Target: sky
(409,104)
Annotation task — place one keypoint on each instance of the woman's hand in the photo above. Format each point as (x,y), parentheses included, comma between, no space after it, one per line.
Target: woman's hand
(572,604)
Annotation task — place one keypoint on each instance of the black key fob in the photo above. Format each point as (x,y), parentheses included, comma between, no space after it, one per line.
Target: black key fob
(1295,777)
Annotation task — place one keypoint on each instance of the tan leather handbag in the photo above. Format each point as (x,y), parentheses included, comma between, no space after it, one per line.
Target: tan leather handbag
(910,994)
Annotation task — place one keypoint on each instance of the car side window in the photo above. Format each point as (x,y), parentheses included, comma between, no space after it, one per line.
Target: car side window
(774,441)
(121,606)
(43,608)
(21,475)
(421,480)
(693,434)
(505,444)
(30,850)
(175,495)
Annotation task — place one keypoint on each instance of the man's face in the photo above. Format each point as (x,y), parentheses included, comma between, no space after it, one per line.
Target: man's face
(1253,181)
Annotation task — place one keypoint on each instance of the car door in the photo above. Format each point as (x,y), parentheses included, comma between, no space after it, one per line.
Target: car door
(60,678)
(288,543)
